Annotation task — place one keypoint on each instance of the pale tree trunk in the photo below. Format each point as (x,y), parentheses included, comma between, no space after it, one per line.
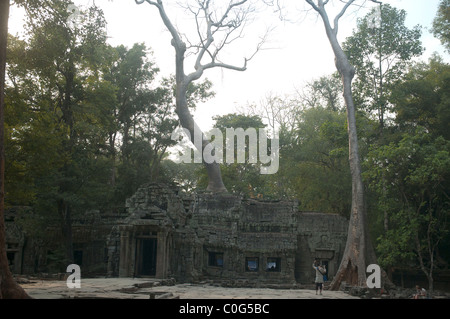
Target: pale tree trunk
(9,289)
(215,182)
(359,252)
(213,24)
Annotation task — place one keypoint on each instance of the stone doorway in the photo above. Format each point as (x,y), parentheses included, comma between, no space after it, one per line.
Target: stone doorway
(146,256)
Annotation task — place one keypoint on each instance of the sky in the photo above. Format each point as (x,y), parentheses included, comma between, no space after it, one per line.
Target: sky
(295,53)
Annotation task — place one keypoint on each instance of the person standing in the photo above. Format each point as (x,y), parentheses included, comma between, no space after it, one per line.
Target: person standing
(421,293)
(319,276)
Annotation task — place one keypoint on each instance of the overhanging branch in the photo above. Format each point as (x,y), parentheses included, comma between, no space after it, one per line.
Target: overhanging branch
(177,42)
(228,25)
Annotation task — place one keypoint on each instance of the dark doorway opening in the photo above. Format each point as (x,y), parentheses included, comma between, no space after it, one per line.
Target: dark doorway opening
(146,257)
(11,256)
(78,257)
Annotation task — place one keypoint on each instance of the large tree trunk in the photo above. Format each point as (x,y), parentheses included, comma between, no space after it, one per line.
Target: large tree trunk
(215,182)
(359,252)
(8,287)
(233,18)
(63,205)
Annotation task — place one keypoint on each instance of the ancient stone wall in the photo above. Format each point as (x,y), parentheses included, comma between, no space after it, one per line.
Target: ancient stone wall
(38,250)
(319,236)
(167,234)
(247,235)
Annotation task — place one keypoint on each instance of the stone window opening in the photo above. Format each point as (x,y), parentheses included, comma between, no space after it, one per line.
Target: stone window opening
(273,264)
(252,264)
(215,259)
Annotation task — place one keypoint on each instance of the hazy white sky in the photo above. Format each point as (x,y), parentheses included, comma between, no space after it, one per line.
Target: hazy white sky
(297,52)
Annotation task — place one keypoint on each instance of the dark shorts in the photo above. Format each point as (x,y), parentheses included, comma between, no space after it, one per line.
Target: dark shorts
(319,285)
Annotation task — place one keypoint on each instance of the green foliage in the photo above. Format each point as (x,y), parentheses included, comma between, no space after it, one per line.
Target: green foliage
(396,246)
(423,98)
(412,178)
(184,175)
(325,92)
(441,23)
(87,124)
(318,161)
(380,56)
(240,178)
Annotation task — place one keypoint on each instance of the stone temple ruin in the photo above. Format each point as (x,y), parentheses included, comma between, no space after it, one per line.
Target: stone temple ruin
(164,233)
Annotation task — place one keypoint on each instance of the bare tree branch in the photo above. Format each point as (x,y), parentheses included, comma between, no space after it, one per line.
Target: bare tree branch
(313,5)
(320,8)
(227,27)
(336,19)
(229,23)
(173,31)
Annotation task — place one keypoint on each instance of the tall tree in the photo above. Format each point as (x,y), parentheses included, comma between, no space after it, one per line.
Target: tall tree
(131,75)
(62,55)
(380,49)
(318,161)
(52,78)
(359,251)
(380,52)
(8,287)
(216,29)
(416,173)
(421,97)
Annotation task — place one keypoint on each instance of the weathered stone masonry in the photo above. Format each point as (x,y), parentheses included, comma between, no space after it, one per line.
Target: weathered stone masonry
(167,234)
(223,237)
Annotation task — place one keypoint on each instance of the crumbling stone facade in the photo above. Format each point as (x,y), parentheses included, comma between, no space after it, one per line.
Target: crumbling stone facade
(164,233)
(224,237)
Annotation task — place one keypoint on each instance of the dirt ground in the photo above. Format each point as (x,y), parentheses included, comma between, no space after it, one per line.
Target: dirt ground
(135,288)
